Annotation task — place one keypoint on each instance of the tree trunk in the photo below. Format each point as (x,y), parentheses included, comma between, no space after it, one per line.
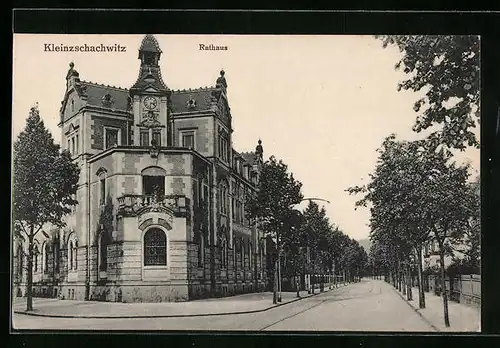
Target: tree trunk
(409,293)
(443,287)
(421,294)
(275,285)
(279,277)
(297,283)
(29,286)
(394,276)
(404,280)
(334,276)
(398,275)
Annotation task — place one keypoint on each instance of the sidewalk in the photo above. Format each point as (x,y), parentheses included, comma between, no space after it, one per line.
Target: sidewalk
(239,304)
(463,318)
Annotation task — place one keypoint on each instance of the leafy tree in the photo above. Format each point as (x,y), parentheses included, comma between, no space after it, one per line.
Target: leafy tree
(417,192)
(44,184)
(394,192)
(277,193)
(469,242)
(293,248)
(316,227)
(446,67)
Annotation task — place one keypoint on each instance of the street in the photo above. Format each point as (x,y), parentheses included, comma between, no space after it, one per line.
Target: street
(370,305)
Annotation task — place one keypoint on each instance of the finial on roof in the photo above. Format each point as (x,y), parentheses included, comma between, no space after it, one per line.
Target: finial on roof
(221,80)
(259,150)
(72,72)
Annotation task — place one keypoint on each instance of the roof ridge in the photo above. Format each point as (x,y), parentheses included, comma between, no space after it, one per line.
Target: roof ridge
(194,89)
(102,85)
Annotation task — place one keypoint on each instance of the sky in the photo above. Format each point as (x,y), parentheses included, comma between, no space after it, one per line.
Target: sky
(323,104)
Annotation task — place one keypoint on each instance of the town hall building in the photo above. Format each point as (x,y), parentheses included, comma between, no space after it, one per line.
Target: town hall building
(161,197)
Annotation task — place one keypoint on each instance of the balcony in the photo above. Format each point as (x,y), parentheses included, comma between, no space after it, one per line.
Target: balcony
(133,205)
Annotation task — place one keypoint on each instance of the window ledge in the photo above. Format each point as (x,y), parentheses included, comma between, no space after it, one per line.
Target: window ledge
(163,267)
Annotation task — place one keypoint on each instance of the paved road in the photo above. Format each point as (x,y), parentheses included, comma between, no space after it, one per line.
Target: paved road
(370,305)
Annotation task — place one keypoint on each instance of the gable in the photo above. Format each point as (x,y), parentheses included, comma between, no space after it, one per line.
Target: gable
(70,105)
(224,110)
(71,128)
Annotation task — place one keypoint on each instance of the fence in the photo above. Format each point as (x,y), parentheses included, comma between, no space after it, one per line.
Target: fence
(462,288)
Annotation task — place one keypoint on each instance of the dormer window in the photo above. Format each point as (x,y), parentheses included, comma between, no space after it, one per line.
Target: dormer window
(191,103)
(107,100)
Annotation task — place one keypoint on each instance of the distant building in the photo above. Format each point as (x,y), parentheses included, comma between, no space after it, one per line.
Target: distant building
(161,213)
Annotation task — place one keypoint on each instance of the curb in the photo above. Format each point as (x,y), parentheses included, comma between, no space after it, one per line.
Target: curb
(416,310)
(167,316)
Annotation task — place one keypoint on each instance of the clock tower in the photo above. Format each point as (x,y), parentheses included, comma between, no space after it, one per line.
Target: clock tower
(150,98)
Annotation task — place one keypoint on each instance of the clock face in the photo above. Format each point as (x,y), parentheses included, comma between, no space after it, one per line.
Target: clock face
(150,103)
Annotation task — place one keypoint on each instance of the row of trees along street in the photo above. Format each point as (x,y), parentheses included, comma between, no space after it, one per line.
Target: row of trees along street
(303,243)
(418,193)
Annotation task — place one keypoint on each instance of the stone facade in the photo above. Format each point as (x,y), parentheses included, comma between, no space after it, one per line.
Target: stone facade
(161,196)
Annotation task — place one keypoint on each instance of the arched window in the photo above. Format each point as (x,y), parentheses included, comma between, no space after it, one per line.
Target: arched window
(70,254)
(46,251)
(250,254)
(201,251)
(103,251)
(75,254)
(20,260)
(55,257)
(35,258)
(234,253)
(242,253)
(155,248)
(223,197)
(224,252)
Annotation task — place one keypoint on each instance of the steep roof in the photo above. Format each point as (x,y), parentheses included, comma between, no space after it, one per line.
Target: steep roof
(149,44)
(150,77)
(96,95)
(248,157)
(202,96)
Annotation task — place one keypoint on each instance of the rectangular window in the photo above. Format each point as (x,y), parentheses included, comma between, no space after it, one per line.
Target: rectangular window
(144,135)
(77,145)
(250,255)
(69,145)
(153,185)
(102,184)
(205,195)
(72,145)
(111,137)
(188,140)
(157,137)
(233,203)
(196,200)
(223,148)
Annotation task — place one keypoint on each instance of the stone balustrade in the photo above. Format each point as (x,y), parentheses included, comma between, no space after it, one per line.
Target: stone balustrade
(131,204)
